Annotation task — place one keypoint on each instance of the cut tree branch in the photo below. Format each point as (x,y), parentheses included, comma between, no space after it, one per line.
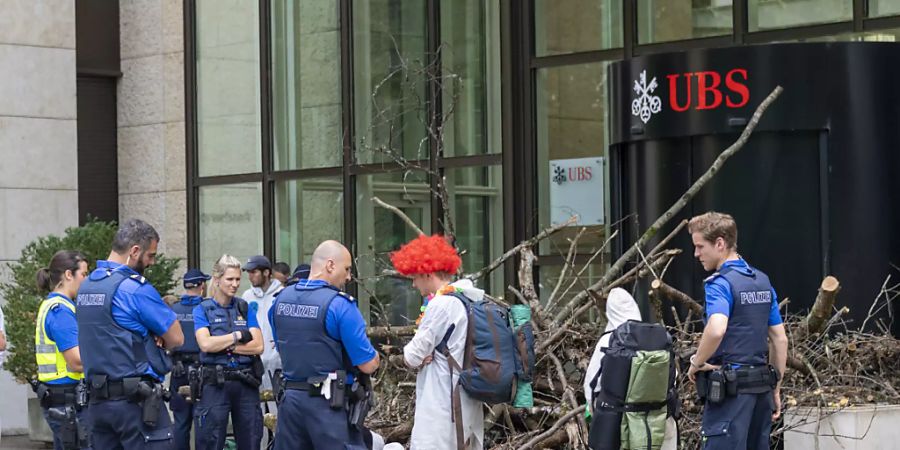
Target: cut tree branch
(559,423)
(677,296)
(526,243)
(399,214)
(821,310)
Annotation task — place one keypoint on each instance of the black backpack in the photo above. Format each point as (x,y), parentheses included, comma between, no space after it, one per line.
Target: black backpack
(611,404)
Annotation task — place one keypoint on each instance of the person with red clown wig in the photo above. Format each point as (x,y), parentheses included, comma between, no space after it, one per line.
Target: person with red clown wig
(432,263)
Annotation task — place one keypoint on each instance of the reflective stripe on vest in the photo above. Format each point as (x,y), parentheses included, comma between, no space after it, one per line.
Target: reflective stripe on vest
(51,365)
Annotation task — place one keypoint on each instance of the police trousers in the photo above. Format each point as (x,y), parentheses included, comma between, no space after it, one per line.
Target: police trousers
(56,426)
(308,422)
(737,423)
(233,398)
(182,413)
(119,425)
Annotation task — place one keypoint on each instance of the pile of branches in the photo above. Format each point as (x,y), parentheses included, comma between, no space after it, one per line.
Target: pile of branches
(567,326)
(832,364)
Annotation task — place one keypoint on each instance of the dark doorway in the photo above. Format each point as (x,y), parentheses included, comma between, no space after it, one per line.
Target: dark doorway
(98,191)
(772,187)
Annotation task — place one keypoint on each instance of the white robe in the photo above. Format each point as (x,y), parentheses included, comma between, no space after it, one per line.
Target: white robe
(620,308)
(270,358)
(433,427)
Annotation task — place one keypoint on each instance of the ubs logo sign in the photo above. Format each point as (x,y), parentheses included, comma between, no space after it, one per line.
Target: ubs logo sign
(692,90)
(647,104)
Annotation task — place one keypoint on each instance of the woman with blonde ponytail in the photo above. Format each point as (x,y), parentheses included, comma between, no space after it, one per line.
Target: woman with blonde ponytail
(230,342)
(56,341)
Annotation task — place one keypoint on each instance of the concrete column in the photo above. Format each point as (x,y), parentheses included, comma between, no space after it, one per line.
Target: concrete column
(38,143)
(151,119)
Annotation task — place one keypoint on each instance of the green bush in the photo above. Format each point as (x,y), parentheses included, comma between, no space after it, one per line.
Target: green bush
(23,297)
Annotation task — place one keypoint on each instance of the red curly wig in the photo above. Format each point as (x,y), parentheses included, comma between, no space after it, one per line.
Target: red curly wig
(426,254)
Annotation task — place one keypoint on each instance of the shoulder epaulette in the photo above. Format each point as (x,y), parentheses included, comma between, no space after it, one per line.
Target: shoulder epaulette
(140,279)
(347,296)
(711,277)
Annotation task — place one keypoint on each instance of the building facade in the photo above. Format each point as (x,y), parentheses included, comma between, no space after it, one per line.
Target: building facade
(267,126)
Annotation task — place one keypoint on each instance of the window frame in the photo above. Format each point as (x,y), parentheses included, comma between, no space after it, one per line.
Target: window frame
(349,169)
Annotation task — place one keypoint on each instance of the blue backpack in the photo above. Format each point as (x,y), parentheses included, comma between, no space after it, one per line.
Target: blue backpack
(497,355)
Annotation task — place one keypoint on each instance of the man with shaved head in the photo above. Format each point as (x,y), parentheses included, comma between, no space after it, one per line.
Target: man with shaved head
(321,336)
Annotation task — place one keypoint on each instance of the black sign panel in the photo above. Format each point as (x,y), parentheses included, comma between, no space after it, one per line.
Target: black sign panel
(717,90)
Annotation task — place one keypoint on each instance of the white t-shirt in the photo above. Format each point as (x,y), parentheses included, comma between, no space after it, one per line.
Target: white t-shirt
(270,357)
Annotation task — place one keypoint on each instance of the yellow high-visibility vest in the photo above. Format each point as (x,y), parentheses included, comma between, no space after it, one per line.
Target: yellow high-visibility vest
(50,361)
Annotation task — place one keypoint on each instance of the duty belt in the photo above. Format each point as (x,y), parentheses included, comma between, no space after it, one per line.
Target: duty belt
(124,389)
(217,375)
(313,389)
(58,395)
(186,358)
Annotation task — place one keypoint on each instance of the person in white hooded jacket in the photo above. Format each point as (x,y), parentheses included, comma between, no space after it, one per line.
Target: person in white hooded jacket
(431,262)
(620,308)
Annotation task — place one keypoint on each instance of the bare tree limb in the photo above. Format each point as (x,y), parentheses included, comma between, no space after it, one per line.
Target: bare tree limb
(676,296)
(559,423)
(526,243)
(399,214)
(391,332)
(617,267)
(821,310)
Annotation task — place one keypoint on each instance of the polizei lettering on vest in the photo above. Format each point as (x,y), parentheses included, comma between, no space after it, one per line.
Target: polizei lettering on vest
(91,299)
(301,311)
(755,298)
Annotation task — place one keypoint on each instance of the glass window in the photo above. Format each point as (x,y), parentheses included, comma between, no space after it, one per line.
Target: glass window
(577,279)
(576,26)
(230,222)
(476,208)
(888,35)
(572,119)
(389,62)
(470,61)
(228,89)
(307,212)
(673,20)
(767,14)
(878,8)
(306,84)
(379,231)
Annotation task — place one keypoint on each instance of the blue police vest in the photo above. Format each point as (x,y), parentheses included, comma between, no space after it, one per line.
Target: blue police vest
(224,321)
(306,348)
(107,348)
(746,338)
(185,315)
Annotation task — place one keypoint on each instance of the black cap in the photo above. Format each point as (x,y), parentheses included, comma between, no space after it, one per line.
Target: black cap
(301,272)
(194,277)
(257,262)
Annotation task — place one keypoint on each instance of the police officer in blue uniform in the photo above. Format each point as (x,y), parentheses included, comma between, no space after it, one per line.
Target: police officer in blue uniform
(123,330)
(230,343)
(735,374)
(186,359)
(59,384)
(321,336)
